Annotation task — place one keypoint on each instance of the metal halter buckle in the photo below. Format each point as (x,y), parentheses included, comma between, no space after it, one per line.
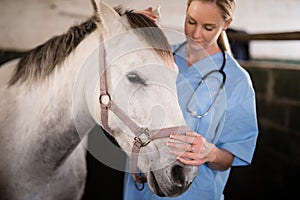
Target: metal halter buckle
(137,140)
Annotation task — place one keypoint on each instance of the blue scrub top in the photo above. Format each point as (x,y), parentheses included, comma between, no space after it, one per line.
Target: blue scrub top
(231,123)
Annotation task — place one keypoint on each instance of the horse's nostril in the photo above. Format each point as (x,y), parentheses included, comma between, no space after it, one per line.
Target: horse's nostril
(178,175)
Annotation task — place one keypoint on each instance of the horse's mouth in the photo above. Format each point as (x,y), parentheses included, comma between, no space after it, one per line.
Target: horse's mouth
(168,187)
(156,186)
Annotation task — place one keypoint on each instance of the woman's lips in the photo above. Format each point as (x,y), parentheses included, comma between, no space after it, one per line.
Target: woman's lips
(195,43)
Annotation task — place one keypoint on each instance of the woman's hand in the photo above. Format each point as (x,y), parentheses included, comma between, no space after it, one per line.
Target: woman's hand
(192,149)
(150,13)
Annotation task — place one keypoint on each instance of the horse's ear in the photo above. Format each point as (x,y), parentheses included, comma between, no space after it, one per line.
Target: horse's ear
(106,15)
(96,7)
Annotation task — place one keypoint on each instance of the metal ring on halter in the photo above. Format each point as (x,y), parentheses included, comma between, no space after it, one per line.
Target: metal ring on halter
(139,188)
(105,100)
(140,179)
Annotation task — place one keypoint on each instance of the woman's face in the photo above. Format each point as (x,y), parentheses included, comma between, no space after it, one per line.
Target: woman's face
(203,25)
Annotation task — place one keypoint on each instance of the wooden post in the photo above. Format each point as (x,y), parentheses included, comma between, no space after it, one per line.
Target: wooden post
(264,36)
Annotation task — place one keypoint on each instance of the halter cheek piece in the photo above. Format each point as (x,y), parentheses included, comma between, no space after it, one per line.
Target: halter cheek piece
(106,104)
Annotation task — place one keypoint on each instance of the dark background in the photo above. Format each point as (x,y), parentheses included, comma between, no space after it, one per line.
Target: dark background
(272,175)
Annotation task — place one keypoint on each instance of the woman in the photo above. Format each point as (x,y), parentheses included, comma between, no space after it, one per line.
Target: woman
(220,111)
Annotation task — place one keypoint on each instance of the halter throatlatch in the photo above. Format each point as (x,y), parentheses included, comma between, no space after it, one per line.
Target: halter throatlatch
(106,104)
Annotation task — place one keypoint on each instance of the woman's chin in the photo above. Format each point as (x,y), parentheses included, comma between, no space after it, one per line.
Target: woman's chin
(195,46)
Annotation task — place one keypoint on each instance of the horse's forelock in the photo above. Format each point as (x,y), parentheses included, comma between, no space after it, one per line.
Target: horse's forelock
(150,32)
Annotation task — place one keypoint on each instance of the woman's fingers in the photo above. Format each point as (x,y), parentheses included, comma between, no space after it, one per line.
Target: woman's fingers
(180,146)
(184,146)
(191,148)
(191,162)
(189,158)
(148,13)
(189,137)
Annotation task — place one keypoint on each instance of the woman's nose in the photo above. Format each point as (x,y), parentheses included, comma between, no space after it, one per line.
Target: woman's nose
(197,33)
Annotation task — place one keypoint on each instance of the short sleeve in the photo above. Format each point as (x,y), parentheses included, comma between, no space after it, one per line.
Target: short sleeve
(240,132)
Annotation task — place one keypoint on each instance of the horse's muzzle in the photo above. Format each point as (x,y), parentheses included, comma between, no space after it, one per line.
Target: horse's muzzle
(171,181)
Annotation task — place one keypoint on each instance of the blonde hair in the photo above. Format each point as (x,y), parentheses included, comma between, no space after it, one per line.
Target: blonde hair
(227,8)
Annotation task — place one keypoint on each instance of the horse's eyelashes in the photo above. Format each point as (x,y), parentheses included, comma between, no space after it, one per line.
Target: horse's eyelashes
(135,78)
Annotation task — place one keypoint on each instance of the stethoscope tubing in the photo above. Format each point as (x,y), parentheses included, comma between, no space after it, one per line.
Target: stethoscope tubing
(221,70)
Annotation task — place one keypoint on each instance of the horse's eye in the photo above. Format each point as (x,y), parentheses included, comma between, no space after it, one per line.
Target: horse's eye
(134,78)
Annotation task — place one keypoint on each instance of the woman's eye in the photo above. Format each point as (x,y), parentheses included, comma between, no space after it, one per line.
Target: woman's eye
(192,22)
(135,78)
(208,27)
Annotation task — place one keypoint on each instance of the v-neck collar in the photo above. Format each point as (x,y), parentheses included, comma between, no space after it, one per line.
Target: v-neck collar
(200,67)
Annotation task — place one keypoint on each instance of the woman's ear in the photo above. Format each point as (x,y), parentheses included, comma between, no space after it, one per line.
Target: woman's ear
(227,23)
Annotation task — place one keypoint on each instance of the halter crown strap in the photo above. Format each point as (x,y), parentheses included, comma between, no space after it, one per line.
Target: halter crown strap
(105,99)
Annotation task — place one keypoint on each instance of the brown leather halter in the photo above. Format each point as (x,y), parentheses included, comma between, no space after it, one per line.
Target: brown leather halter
(107,104)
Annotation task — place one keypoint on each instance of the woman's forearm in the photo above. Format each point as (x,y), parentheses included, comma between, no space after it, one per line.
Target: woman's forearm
(223,159)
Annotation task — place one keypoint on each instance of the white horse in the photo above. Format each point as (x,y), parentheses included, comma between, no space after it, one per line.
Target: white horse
(50,101)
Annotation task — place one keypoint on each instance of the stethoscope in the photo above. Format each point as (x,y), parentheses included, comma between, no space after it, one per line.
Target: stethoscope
(221,71)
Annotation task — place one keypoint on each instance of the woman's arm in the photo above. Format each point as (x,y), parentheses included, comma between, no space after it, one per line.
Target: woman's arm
(223,159)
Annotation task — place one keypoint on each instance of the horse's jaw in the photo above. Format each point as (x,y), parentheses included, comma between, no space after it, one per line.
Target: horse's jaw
(166,176)
(172,180)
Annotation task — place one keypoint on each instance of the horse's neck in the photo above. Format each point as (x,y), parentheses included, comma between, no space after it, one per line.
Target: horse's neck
(51,114)
(86,86)
(55,97)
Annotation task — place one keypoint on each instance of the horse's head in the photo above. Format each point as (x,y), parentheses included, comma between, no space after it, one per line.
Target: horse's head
(141,84)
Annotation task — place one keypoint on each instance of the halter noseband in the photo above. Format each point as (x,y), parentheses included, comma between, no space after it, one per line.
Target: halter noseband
(106,104)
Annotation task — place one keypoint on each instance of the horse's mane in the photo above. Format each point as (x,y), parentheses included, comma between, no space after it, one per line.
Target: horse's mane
(39,62)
